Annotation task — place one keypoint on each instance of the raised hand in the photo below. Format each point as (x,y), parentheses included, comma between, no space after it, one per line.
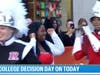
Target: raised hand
(32,35)
(50,30)
(51,8)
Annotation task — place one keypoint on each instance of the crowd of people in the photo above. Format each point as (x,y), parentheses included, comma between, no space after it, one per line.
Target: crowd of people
(23,41)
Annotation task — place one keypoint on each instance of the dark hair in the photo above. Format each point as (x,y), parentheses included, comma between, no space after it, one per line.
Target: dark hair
(69,20)
(49,22)
(93,18)
(33,28)
(44,45)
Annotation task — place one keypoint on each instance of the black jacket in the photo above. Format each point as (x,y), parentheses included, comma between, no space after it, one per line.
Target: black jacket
(12,54)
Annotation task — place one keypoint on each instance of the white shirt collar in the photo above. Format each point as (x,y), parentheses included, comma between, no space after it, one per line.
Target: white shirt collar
(9,42)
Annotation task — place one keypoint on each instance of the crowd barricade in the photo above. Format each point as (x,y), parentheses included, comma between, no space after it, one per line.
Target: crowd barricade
(68,58)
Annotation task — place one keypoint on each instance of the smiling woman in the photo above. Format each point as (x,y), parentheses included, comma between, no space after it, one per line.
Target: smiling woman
(43,49)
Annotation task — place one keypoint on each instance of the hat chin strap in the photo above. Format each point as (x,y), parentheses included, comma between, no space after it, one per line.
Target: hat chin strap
(8,41)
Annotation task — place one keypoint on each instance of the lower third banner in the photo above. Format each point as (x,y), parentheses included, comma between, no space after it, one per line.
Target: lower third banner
(44,69)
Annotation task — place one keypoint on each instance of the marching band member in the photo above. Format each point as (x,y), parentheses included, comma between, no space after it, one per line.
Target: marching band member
(13,23)
(89,45)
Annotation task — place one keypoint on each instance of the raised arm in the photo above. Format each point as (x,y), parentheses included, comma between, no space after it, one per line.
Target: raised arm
(58,45)
(77,51)
(92,38)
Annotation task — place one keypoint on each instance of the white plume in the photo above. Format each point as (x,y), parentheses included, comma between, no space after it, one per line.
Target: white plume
(17,10)
(96,9)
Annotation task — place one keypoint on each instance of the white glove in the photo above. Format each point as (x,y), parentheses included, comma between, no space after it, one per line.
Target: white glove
(93,40)
(87,30)
(77,45)
(78,33)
